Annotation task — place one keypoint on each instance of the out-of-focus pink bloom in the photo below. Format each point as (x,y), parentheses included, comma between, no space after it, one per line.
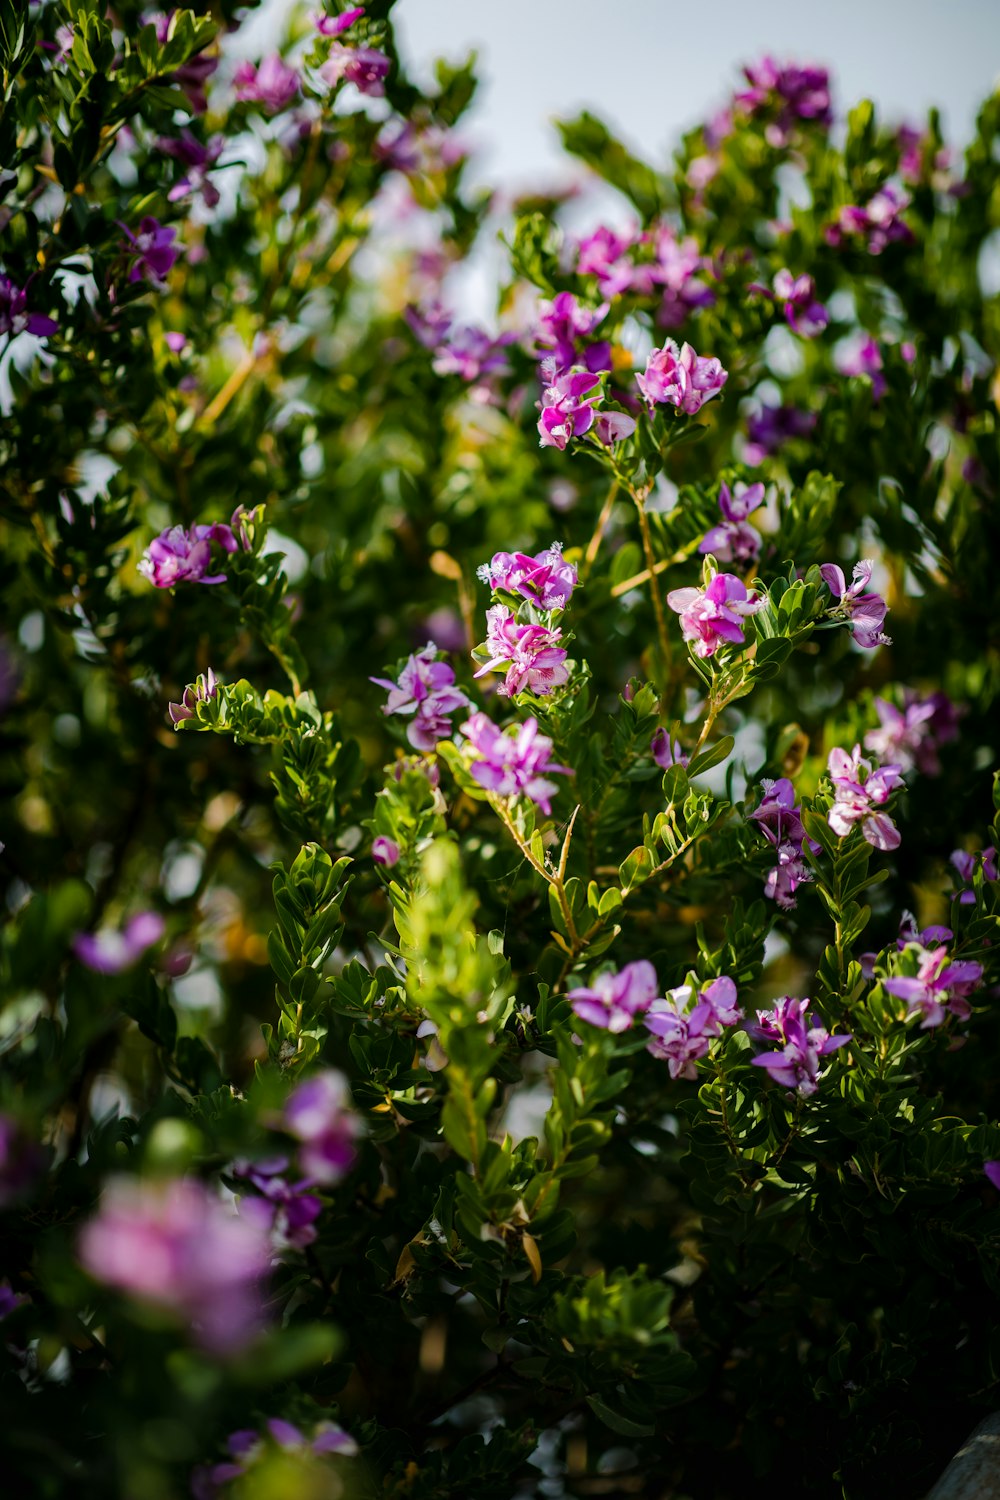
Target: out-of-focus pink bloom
(665,753)
(510,764)
(910,933)
(862,356)
(781,824)
(966,863)
(785,97)
(681,378)
(197,160)
(385,851)
(879,223)
(426,690)
(604,254)
(247,1448)
(714,616)
(179,556)
(288,1209)
(992,1170)
(913,734)
(803,1040)
(567,406)
(366,67)
(337,25)
(152,252)
(546,579)
(675,270)
(772,427)
(938,987)
(273,84)
(866,611)
(10,1300)
(796,296)
(472,353)
(176,1246)
(614,1000)
(15,317)
(111,951)
(529,654)
(563,325)
(858,791)
(735,540)
(319,1114)
(201,690)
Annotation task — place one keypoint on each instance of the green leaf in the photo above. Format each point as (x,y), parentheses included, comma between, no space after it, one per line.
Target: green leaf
(617,1422)
(713,756)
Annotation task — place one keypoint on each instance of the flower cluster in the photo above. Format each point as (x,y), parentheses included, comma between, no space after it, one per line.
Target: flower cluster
(713,616)
(567,405)
(513,763)
(288,1210)
(366,67)
(111,951)
(530,655)
(547,580)
(247,1447)
(879,223)
(681,378)
(426,690)
(912,735)
(734,540)
(938,987)
(858,791)
(802,1042)
(680,1033)
(563,324)
(865,611)
(796,296)
(646,263)
(177,1247)
(185,556)
(780,821)
(785,95)
(200,691)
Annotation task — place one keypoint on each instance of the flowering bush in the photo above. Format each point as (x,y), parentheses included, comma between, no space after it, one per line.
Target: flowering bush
(499,988)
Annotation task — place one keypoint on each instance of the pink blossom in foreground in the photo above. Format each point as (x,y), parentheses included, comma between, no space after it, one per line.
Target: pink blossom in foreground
(802,1041)
(734,539)
(185,556)
(859,790)
(865,611)
(912,735)
(320,1116)
(426,690)
(614,1000)
(714,616)
(510,764)
(547,580)
(938,987)
(567,406)
(681,378)
(200,691)
(176,1246)
(111,951)
(15,317)
(385,851)
(529,654)
(272,84)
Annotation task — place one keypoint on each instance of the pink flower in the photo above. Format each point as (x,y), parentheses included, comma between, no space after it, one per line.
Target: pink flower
(273,84)
(529,654)
(366,67)
(337,25)
(151,251)
(613,427)
(681,378)
(546,579)
(426,690)
(510,764)
(797,1064)
(714,616)
(562,325)
(112,952)
(865,611)
(879,223)
(200,691)
(862,356)
(912,735)
(735,540)
(177,1247)
(199,160)
(677,1038)
(179,556)
(567,406)
(665,752)
(966,864)
(938,987)
(615,999)
(319,1114)
(797,296)
(858,791)
(385,851)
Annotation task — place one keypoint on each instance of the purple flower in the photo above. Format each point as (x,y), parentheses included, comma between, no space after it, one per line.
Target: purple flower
(967,863)
(938,987)
(472,354)
(771,428)
(713,617)
(247,1448)
(992,1170)
(546,579)
(677,1038)
(510,764)
(788,94)
(273,84)
(720,997)
(426,690)
(567,406)
(198,160)
(674,267)
(318,1113)
(803,1042)
(529,654)
(22,1161)
(797,296)
(15,317)
(366,67)
(735,540)
(10,1300)
(176,1246)
(681,378)
(665,753)
(912,735)
(862,356)
(179,556)
(613,426)
(385,851)
(288,1209)
(563,324)
(112,952)
(615,999)
(781,824)
(910,933)
(191,76)
(337,25)
(865,611)
(878,223)
(858,791)
(151,251)
(203,688)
